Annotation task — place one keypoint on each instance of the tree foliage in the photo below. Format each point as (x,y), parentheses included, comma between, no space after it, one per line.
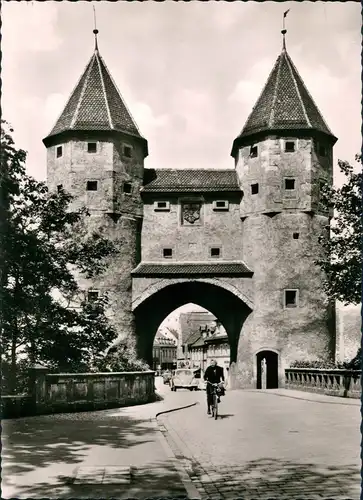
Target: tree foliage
(342,256)
(45,316)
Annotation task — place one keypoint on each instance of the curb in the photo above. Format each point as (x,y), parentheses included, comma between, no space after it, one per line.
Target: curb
(176,409)
(307,399)
(191,490)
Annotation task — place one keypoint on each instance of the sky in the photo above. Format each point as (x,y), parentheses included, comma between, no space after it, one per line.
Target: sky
(190,72)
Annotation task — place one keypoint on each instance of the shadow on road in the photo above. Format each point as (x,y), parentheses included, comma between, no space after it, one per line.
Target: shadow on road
(227,415)
(49,449)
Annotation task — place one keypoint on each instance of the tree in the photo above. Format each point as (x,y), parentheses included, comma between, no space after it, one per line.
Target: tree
(45,316)
(342,256)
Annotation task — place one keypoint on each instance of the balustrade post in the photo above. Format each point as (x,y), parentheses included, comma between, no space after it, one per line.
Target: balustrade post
(38,384)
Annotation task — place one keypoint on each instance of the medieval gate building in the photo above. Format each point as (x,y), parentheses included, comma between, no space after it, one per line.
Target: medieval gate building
(240,242)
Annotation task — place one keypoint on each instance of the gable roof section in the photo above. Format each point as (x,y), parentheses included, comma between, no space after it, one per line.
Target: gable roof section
(284,104)
(95,103)
(190,180)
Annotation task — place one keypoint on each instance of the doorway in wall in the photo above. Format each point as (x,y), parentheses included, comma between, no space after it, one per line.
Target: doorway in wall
(267,370)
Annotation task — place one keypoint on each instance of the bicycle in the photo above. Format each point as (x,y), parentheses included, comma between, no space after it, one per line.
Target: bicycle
(215,399)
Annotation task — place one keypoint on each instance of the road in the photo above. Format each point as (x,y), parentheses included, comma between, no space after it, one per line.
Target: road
(269,445)
(264,445)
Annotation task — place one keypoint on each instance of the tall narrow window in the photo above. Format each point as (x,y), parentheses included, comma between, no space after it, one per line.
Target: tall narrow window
(291,298)
(92,185)
(92,147)
(59,188)
(127,151)
(59,151)
(127,188)
(254,188)
(253,152)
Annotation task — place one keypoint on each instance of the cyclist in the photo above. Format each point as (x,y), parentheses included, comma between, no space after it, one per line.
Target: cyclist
(213,374)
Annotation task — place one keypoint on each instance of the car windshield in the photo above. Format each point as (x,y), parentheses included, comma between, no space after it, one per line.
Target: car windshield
(183,372)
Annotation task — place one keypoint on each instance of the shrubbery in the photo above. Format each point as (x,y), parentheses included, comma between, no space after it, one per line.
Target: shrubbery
(353,364)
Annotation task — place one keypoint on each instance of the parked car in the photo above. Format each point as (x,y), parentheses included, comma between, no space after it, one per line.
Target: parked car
(166,377)
(184,378)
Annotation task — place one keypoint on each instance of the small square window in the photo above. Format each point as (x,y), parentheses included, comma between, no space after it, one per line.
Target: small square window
(59,188)
(295,236)
(253,152)
(92,147)
(167,252)
(220,205)
(289,147)
(162,206)
(290,298)
(290,184)
(59,151)
(127,151)
(92,295)
(215,252)
(92,185)
(127,188)
(254,188)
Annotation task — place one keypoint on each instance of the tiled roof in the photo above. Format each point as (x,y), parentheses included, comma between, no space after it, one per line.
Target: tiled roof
(96,103)
(192,268)
(199,342)
(284,103)
(188,180)
(194,337)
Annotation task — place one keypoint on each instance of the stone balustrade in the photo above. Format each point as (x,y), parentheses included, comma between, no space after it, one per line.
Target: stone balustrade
(68,392)
(343,383)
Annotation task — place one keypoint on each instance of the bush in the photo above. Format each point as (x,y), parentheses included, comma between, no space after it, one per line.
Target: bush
(121,358)
(353,364)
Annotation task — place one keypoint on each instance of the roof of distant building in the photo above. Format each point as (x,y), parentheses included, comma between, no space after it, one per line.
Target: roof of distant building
(190,180)
(284,104)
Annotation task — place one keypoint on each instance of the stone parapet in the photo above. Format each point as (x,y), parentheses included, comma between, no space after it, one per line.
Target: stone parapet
(343,383)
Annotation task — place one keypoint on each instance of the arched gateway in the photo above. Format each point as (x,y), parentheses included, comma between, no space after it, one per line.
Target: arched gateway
(213,295)
(240,242)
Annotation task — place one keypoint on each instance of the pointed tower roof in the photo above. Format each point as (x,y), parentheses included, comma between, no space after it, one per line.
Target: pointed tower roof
(95,104)
(284,104)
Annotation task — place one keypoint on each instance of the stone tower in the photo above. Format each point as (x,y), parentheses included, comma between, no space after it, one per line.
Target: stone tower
(283,157)
(96,152)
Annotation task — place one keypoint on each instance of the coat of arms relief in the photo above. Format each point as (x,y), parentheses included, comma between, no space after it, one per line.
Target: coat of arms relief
(191,212)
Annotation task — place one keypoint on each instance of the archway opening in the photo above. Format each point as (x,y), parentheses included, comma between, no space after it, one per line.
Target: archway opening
(190,337)
(267,370)
(226,307)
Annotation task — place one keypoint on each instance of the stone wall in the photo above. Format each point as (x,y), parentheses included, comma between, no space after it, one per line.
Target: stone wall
(190,243)
(68,392)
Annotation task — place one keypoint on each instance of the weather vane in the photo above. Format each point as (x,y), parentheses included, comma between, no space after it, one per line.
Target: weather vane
(284,31)
(95,31)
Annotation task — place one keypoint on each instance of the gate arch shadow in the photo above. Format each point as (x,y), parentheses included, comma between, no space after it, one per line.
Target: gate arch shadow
(230,310)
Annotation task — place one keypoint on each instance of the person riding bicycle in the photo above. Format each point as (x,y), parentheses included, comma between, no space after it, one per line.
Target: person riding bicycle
(213,374)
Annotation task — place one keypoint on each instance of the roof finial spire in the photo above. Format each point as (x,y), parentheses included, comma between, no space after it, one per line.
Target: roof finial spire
(284,31)
(95,31)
